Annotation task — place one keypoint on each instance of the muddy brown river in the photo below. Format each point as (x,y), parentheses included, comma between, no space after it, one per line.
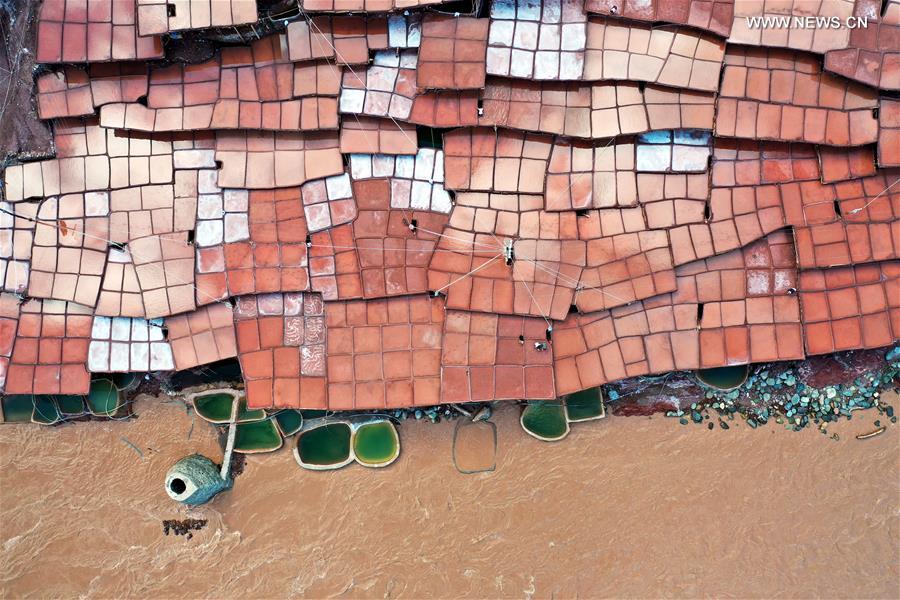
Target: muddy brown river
(624,507)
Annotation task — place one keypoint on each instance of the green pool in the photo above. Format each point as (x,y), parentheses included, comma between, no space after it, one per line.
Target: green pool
(257,436)
(584,405)
(723,378)
(17,409)
(215,407)
(376,443)
(289,422)
(103,399)
(70,405)
(45,411)
(313,414)
(545,420)
(126,381)
(325,446)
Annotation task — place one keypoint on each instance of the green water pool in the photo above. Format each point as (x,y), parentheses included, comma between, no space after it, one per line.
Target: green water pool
(325,445)
(376,443)
(216,408)
(103,399)
(45,411)
(17,409)
(313,414)
(545,420)
(584,405)
(70,405)
(257,436)
(724,378)
(289,422)
(126,381)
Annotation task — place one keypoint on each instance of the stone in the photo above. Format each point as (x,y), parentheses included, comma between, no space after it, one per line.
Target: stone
(195,480)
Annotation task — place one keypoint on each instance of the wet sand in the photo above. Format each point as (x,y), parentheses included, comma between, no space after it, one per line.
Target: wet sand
(625,507)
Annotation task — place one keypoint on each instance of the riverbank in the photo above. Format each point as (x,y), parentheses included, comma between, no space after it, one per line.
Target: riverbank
(623,507)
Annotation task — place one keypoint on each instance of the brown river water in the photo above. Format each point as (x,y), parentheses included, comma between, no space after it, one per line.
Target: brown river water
(624,507)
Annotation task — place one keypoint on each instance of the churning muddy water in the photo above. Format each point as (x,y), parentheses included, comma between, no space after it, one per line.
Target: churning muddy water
(624,507)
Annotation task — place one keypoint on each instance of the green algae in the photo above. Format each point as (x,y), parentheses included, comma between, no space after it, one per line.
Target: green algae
(376,444)
(584,405)
(326,446)
(545,420)
(257,436)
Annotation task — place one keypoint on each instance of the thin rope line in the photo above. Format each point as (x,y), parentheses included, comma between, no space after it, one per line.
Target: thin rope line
(130,252)
(470,273)
(339,57)
(527,289)
(881,193)
(461,240)
(12,260)
(579,286)
(393,249)
(403,131)
(575,176)
(572,281)
(533,299)
(56,226)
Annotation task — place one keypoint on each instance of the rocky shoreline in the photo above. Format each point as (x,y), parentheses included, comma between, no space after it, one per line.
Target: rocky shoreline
(816,391)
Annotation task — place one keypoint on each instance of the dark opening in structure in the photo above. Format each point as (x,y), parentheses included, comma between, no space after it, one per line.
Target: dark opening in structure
(430,137)
(475,8)
(177,486)
(224,373)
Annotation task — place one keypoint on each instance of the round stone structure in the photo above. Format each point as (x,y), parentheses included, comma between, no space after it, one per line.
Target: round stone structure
(195,479)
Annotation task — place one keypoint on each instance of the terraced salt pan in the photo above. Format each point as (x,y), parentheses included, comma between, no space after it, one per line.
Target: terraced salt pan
(416,181)
(123,344)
